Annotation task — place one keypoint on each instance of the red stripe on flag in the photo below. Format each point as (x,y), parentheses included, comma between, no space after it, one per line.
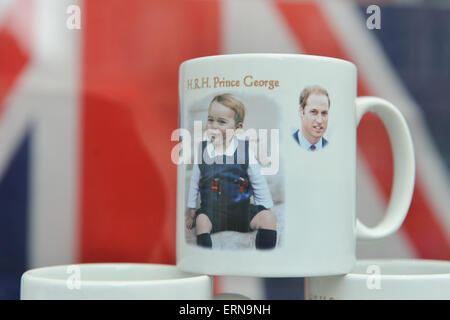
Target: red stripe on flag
(315,35)
(13,56)
(132,51)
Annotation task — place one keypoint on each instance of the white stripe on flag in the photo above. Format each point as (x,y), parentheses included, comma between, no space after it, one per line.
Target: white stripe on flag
(249,287)
(255,26)
(52,92)
(5,5)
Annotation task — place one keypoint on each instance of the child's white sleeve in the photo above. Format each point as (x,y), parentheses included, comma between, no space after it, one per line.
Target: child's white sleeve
(193,187)
(261,192)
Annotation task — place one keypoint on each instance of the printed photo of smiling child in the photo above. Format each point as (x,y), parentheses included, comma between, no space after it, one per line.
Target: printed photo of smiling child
(313,111)
(226,180)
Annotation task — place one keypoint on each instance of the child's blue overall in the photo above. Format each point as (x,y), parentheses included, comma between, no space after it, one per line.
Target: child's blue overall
(225,189)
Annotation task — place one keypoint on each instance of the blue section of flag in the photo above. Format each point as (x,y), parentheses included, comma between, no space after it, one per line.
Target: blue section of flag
(14,198)
(284,288)
(416,40)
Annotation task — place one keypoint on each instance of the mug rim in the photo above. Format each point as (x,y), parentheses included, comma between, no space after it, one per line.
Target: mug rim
(34,274)
(353,275)
(268,55)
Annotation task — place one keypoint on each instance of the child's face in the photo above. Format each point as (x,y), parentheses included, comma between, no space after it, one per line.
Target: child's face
(220,119)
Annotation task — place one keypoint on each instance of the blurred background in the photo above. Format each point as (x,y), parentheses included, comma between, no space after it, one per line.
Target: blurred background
(89,99)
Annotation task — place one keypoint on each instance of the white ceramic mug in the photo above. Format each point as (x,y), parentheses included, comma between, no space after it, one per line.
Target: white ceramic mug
(282,204)
(385,280)
(116,281)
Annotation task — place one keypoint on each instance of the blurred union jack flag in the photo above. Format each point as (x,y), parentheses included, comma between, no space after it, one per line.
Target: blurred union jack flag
(86,116)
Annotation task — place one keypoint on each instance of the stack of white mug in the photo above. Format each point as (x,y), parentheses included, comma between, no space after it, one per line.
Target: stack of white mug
(319,224)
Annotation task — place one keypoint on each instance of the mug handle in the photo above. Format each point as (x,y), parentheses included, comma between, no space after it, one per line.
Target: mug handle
(404,167)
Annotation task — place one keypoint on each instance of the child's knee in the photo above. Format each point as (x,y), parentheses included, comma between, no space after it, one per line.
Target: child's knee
(270,219)
(267,220)
(203,224)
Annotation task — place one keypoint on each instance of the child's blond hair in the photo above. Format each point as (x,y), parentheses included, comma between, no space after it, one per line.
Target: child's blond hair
(229,101)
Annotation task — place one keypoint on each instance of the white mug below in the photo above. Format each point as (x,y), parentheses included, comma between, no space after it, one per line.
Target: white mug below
(116,281)
(385,280)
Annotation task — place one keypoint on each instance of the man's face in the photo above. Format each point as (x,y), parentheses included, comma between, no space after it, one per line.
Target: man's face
(314,117)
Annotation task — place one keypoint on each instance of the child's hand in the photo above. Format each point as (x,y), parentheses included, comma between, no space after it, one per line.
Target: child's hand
(190,219)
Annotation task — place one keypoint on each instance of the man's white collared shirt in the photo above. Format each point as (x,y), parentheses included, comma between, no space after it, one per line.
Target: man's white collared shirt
(304,143)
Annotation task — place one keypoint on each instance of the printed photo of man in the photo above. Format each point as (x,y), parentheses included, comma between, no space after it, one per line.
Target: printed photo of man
(313,110)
